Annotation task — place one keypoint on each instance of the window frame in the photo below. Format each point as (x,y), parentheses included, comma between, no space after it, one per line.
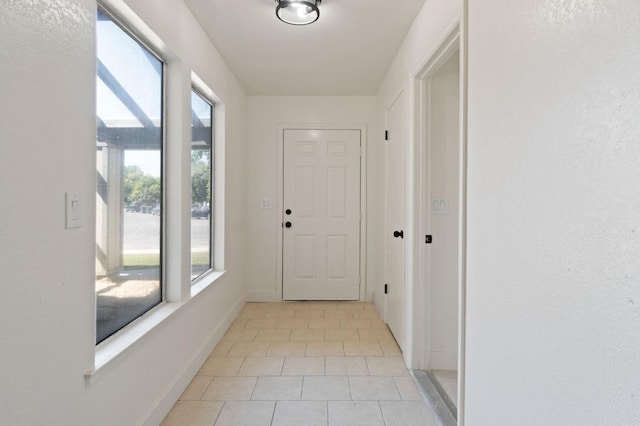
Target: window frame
(212,192)
(179,292)
(131,30)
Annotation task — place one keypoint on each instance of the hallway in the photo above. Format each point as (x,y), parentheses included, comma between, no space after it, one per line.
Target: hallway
(303,363)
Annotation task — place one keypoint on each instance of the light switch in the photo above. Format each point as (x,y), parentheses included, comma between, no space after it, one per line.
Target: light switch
(72,211)
(266,203)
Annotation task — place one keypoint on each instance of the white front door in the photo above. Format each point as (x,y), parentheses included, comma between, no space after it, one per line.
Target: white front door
(395,222)
(321,217)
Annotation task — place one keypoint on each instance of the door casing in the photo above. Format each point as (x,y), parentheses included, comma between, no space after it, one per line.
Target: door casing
(420,194)
(363,194)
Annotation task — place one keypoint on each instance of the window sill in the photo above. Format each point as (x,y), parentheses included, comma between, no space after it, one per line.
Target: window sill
(109,352)
(205,281)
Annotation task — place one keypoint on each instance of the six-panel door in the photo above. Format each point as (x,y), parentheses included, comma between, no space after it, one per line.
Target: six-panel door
(321,215)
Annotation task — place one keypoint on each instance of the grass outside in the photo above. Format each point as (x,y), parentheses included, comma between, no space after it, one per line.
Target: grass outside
(133,260)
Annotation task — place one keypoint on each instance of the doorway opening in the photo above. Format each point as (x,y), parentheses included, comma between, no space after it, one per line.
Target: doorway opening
(440,217)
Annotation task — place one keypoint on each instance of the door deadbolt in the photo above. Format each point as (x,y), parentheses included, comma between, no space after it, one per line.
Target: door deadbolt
(288,211)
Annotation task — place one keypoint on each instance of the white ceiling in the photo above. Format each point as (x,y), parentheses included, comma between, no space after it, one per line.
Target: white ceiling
(346,52)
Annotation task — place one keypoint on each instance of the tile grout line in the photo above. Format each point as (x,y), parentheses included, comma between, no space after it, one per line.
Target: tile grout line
(384,422)
(224,403)
(327,411)
(206,389)
(349,382)
(301,386)
(240,367)
(253,391)
(397,388)
(273,413)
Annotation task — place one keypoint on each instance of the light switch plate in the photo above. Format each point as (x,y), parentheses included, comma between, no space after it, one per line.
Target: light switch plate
(266,203)
(72,210)
(440,206)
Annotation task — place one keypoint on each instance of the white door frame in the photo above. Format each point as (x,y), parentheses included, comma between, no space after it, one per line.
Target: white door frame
(420,85)
(363,193)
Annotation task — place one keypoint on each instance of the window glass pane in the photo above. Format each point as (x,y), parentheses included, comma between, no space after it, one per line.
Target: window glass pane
(201,183)
(129,179)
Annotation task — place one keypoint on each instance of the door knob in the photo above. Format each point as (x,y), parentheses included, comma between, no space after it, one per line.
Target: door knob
(287,224)
(398,234)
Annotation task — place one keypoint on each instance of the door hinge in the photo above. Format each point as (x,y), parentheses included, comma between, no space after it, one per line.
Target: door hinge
(428,239)
(386,135)
(386,288)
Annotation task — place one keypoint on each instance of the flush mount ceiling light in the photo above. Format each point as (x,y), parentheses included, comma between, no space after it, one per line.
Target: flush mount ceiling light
(298,12)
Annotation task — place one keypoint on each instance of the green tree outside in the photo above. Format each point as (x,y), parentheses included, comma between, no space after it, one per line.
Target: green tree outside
(200,177)
(144,189)
(140,187)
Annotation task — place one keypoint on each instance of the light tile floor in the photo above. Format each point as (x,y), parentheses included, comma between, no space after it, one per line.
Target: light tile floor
(303,364)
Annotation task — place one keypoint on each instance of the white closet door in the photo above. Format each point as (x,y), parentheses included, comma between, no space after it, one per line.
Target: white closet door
(395,220)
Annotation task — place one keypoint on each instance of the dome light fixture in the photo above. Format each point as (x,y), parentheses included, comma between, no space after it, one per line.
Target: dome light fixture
(298,12)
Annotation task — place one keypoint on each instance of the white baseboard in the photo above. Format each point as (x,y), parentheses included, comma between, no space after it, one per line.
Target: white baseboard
(173,391)
(369,297)
(379,304)
(443,360)
(263,296)
(272,296)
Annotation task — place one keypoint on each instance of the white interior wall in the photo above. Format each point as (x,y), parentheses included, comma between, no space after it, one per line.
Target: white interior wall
(47,117)
(429,29)
(553,308)
(265,114)
(444,126)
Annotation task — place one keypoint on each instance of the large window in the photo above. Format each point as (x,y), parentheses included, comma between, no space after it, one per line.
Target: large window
(129,178)
(201,183)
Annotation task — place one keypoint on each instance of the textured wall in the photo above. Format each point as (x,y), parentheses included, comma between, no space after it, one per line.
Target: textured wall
(47,129)
(553,313)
